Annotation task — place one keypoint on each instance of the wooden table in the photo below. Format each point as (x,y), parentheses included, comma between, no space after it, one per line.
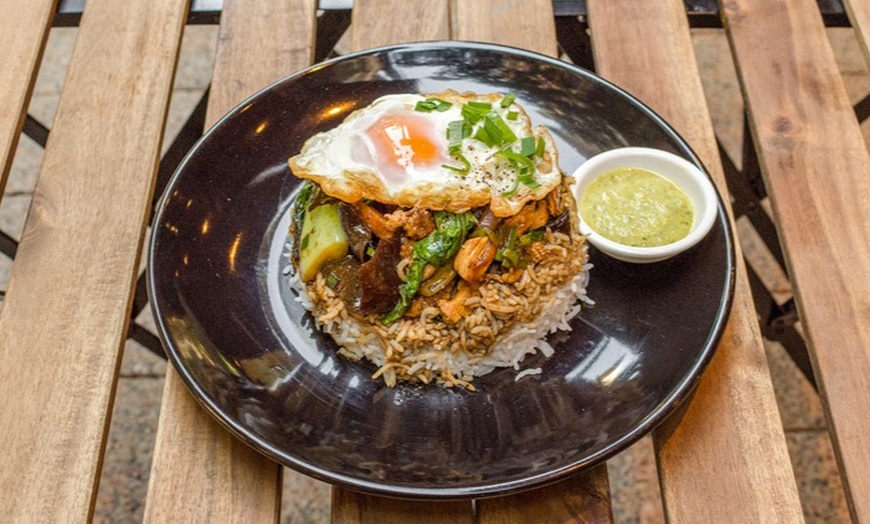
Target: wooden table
(66,310)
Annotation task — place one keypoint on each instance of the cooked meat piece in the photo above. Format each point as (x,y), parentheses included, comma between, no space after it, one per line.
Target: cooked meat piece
(532,216)
(379,281)
(417,222)
(375,220)
(474,258)
(359,235)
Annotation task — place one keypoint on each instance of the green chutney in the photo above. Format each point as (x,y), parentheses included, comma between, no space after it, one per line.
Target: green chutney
(637,207)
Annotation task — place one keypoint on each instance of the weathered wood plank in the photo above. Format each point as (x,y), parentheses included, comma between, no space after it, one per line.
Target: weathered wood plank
(351,507)
(859,16)
(727,459)
(584,497)
(23,32)
(385,22)
(817,171)
(199,471)
(528,24)
(76,265)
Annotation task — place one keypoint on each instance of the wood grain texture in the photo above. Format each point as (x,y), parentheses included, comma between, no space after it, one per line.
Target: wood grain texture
(64,318)
(726,461)
(859,16)
(23,32)
(528,24)
(385,22)
(817,171)
(584,497)
(199,471)
(350,507)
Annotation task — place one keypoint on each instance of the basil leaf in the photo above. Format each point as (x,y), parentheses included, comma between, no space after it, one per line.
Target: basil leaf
(436,248)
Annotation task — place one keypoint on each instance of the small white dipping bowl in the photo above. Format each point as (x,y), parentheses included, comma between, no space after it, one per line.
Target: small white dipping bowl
(683,173)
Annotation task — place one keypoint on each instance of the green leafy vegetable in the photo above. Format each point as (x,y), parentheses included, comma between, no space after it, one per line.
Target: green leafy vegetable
(436,248)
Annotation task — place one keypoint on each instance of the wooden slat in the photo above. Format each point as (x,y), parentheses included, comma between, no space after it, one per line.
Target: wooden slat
(76,265)
(859,17)
(727,459)
(377,23)
(384,22)
(527,24)
(585,498)
(23,32)
(349,507)
(199,471)
(817,171)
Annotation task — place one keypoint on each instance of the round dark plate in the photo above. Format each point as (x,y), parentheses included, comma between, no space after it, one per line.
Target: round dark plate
(251,356)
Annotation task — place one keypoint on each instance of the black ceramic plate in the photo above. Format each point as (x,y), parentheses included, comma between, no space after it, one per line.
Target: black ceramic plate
(251,356)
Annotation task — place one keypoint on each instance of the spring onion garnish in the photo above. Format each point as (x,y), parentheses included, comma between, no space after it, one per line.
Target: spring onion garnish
(473,112)
(507,101)
(539,150)
(528,147)
(466,165)
(484,123)
(495,131)
(524,168)
(432,104)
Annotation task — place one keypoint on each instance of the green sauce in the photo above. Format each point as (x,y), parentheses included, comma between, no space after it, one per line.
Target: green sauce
(637,207)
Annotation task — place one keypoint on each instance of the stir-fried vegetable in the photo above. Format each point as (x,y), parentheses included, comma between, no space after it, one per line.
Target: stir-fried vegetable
(437,248)
(322,239)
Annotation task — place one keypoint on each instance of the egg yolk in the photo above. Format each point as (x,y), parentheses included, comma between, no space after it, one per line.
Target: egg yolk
(404,145)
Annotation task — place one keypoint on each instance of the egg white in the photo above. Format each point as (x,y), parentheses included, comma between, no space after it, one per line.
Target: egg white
(345,161)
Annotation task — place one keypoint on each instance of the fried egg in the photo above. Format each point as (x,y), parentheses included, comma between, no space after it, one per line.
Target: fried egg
(396,152)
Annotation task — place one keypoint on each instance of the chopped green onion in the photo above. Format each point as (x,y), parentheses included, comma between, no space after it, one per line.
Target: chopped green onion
(495,131)
(528,179)
(539,151)
(509,254)
(466,165)
(432,104)
(332,280)
(473,112)
(370,251)
(512,115)
(528,146)
(504,131)
(525,169)
(456,131)
(513,189)
(507,100)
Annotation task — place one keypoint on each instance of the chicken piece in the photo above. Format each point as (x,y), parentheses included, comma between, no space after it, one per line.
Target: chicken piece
(474,258)
(375,221)
(454,309)
(417,222)
(532,216)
